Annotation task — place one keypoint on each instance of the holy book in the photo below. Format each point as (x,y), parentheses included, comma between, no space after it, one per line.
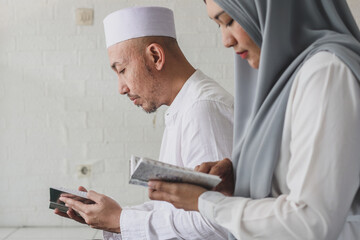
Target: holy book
(144,169)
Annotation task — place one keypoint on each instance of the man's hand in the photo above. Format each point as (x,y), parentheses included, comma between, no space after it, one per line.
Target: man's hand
(181,195)
(104,214)
(71,213)
(224,170)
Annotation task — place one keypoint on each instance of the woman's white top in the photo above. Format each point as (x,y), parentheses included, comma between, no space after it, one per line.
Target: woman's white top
(316,180)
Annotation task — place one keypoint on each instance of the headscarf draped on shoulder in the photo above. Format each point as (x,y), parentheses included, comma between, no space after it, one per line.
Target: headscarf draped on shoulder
(288,32)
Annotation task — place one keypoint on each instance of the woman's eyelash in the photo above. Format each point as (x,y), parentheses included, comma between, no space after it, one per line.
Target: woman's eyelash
(230,22)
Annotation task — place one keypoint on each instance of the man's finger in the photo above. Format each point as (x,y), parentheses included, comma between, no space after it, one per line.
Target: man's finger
(58,212)
(96,197)
(72,214)
(76,205)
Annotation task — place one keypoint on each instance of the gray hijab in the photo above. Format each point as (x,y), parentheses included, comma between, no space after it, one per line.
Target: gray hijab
(288,33)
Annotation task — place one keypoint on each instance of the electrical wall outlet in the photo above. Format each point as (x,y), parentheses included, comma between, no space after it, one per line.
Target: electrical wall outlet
(84,170)
(84,16)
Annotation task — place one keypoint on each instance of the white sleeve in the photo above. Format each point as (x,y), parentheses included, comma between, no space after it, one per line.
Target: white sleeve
(130,220)
(111,236)
(164,221)
(323,171)
(206,136)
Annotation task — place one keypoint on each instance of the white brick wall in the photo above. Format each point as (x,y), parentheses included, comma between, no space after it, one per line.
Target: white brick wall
(59,105)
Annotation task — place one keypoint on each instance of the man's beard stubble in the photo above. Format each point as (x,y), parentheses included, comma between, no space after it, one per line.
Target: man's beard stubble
(152,105)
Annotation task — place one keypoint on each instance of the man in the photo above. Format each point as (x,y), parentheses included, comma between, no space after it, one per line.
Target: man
(153,71)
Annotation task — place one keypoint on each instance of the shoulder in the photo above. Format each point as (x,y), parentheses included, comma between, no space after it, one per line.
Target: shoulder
(210,109)
(324,67)
(324,81)
(324,72)
(205,91)
(205,101)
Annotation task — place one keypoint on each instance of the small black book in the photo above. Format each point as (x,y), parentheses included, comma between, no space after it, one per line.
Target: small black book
(56,193)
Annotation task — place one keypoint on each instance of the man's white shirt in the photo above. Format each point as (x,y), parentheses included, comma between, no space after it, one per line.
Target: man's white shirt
(198,128)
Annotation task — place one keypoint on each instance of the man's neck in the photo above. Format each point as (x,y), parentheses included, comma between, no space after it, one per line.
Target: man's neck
(178,80)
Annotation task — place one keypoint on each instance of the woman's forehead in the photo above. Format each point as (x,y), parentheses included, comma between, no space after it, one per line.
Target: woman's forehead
(213,9)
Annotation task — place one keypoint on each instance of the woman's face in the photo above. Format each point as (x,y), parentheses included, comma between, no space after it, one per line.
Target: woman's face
(233,35)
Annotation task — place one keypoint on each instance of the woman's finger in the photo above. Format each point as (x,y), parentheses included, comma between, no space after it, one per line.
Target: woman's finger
(206,167)
(81,188)
(161,186)
(223,167)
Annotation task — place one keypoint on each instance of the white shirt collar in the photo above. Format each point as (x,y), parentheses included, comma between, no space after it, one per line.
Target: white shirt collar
(177,103)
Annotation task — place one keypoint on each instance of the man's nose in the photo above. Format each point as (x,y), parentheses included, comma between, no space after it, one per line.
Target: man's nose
(123,88)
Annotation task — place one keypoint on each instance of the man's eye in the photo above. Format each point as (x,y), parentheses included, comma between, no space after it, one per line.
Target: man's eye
(122,71)
(230,22)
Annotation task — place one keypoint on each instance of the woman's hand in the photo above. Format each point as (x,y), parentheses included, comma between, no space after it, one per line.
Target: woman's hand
(185,196)
(181,195)
(224,170)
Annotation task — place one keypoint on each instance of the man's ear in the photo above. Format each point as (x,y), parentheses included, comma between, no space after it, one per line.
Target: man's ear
(156,55)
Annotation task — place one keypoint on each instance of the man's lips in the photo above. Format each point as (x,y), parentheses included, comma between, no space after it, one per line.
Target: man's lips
(133,99)
(243,54)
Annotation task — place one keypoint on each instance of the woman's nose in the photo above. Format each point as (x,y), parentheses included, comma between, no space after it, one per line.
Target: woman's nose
(227,38)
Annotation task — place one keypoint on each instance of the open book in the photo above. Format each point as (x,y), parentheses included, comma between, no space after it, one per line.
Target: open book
(144,169)
(56,193)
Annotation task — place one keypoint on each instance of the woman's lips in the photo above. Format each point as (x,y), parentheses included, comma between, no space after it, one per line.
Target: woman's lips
(243,54)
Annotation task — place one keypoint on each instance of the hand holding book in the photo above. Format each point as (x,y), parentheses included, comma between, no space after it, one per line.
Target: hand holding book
(95,209)
(184,195)
(144,169)
(224,170)
(56,203)
(164,178)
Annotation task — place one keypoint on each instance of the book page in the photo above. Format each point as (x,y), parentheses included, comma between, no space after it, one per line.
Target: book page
(148,169)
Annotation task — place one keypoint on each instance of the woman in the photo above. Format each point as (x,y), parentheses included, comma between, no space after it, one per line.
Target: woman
(296,150)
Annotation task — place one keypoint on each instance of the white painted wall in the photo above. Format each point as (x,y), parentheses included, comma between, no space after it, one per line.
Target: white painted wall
(59,105)
(355,8)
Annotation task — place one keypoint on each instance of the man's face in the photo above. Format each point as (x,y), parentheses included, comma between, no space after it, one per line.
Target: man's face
(136,78)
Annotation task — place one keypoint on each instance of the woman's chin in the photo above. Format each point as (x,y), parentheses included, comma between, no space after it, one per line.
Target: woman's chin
(253,64)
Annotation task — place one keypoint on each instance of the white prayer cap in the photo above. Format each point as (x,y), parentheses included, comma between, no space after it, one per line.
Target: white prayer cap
(137,22)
